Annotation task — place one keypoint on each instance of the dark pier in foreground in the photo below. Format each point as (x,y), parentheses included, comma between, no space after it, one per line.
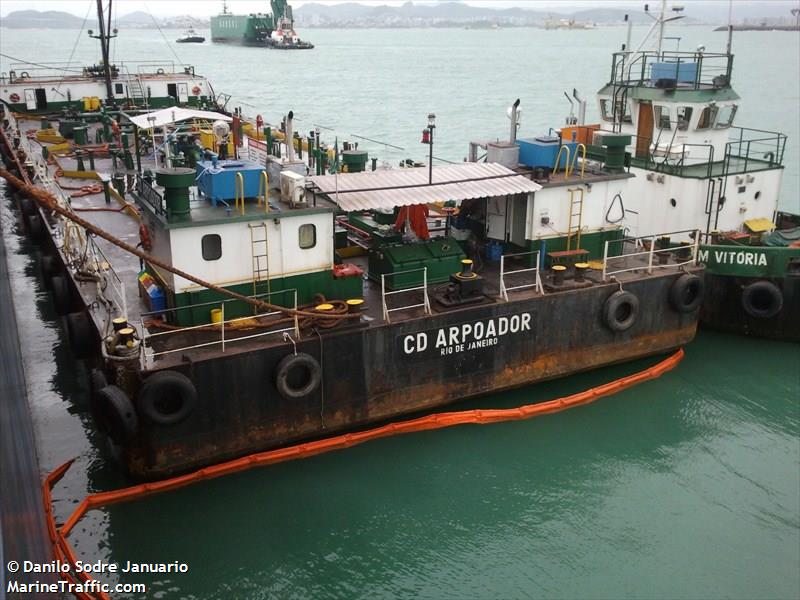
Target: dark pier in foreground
(22,519)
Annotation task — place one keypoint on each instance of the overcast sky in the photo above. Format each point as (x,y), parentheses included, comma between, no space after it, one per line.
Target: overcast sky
(213,7)
(205,8)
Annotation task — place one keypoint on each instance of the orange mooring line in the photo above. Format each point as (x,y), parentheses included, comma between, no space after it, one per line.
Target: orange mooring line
(63,549)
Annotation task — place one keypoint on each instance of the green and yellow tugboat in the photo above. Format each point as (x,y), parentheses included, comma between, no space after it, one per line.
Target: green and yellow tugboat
(695,169)
(274,30)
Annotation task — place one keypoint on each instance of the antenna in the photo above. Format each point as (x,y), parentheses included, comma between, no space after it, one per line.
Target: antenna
(730,27)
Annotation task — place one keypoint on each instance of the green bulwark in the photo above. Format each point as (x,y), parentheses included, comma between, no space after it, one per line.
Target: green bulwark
(307,285)
(747,261)
(593,243)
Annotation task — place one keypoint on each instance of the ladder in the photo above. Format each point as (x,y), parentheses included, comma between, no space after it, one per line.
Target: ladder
(260,254)
(136,91)
(575,217)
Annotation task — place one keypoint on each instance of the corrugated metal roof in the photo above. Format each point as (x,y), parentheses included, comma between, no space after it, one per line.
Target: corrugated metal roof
(403,187)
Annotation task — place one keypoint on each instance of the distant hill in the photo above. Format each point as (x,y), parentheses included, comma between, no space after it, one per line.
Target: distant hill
(136,18)
(34,19)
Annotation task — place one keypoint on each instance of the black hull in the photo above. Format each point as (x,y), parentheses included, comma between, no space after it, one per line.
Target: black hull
(368,377)
(724,310)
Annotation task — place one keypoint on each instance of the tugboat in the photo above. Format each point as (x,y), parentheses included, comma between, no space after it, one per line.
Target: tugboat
(190,37)
(695,169)
(231,307)
(274,30)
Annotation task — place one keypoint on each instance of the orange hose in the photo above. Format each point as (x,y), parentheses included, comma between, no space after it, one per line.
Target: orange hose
(260,459)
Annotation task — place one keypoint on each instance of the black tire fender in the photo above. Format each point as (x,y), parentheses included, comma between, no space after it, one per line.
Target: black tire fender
(621,310)
(97,381)
(81,334)
(686,293)
(27,206)
(62,294)
(297,376)
(35,227)
(167,398)
(762,299)
(48,265)
(116,415)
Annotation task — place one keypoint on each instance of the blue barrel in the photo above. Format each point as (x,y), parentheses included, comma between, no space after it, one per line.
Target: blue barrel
(494,250)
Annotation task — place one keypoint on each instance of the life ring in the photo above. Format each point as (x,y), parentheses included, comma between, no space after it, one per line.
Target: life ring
(115,414)
(259,122)
(24,75)
(144,237)
(197,90)
(62,295)
(80,334)
(167,398)
(762,299)
(14,97)
(297,376)
(621,310)
(686,293)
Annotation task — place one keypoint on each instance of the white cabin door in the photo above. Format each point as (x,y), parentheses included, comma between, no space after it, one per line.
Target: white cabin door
(496,218)
(30,99)
(183,93)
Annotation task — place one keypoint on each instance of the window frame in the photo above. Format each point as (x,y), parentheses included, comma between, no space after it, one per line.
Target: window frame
(203,247)
(733,108)
(300,230)
(659,110)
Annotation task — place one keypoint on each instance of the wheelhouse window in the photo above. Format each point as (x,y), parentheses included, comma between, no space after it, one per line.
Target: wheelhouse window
(707,117)
(725,116)
(118,89)
(212,246)
(684,116)
(605,110)
(307,235)
(661,114)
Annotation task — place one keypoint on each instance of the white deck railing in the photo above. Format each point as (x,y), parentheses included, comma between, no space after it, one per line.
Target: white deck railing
(149,355)
(424,287)
(644,258)
(537,280)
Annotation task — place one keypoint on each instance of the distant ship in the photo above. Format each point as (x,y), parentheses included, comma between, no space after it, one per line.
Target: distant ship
(190,37)
(274,30)
(568,24)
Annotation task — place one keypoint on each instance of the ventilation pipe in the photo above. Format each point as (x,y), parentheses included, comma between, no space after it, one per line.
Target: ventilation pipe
(290,137)
(514,115)
(581,107)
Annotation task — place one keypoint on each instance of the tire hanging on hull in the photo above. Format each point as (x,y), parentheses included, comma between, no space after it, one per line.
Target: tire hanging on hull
(762,299)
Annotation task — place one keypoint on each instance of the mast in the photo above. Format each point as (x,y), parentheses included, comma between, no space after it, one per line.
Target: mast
(105,42)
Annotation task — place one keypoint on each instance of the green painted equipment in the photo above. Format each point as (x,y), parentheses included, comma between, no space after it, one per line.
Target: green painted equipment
(442,257)
(355,160)
(176,183)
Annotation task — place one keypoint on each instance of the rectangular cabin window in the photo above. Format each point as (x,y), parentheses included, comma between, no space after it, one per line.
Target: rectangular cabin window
(307,236)
(661,114)
(725,116)
(707,117)
(684,116)
(118,89)
(605,110)
(212,246)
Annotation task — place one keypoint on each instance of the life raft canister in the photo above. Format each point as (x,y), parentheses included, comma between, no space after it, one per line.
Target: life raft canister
(297,376)
(686,293)
(621,310)
(762,299)
(14,98)
(167,398)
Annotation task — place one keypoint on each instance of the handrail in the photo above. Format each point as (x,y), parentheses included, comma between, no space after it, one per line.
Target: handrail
(581,147)
(263,181)
(239,193)
(537,283)
(558,159)
(650,253)
(148,356)
(424,287)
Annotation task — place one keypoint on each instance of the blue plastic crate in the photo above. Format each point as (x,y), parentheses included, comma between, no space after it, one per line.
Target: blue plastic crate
(219,182)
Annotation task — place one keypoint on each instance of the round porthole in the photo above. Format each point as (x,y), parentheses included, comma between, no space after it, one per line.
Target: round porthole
(673,203)
(757,195)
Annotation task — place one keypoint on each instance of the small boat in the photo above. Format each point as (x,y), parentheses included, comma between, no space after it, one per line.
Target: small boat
(191,37)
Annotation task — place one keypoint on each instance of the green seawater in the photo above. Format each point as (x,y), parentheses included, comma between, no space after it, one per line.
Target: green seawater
(683,487)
